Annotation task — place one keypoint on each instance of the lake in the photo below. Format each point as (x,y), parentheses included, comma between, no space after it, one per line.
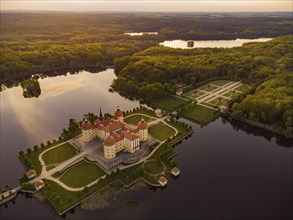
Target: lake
(228,170)
(211,43)
(140,33)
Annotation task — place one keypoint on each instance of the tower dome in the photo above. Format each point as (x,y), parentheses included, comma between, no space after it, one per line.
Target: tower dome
(118,113)
(86,125)
(109,141)
(142,125)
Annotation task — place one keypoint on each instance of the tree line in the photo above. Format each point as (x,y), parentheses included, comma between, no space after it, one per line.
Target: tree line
(33,43)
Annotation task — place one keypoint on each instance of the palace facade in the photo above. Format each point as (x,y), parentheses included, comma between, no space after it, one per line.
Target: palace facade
(116,134)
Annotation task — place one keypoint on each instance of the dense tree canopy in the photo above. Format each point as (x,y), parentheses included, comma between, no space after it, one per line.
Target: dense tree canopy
(252,63)
(33,43)
(271,104)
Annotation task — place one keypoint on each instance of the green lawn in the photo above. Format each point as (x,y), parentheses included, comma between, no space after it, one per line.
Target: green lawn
(161,131)
(134,119)
(169,103)
(199,114)
(59,154)
(34,157)
(242,88)
(154,167)
(221,82)
(142,111)
(81,174)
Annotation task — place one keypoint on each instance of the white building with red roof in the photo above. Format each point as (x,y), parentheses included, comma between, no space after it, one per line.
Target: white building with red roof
(179,91)
(162,181)
(31,174)
(116,135)
(175,171)
(39,184)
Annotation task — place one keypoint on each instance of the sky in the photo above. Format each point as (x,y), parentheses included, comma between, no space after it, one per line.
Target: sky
(150,6)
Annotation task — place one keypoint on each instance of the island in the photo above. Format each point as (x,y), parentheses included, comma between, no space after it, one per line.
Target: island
(190,43)
(100,150)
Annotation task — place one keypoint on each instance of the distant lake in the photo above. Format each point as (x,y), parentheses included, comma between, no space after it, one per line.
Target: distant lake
(228,170)
(140,33)
(182,44)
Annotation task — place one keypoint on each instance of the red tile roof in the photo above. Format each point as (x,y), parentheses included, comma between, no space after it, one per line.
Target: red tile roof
(31,173)
(179,90)
(118,113)
(109,141)
(142,125)
(175,170)
(162,180)
(86,125)
(113,126)
(130,136)
(38,183)
(117,137)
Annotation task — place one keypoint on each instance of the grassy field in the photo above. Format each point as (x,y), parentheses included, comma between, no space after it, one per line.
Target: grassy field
(142,111)
(242,88)
(161,131)
(134,119)
(154,167)
(59,154)
(199,114)
(81,174)
(221,82)
(34,157)
(169,103)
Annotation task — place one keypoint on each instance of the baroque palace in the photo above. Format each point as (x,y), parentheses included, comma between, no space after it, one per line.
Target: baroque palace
(115,133)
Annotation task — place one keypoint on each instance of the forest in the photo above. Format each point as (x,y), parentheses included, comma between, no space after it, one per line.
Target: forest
(57,42)
(159,68)
(150,74)
(271,104)
(40,42)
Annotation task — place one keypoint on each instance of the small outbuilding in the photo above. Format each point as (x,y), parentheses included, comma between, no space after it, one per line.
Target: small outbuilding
(179,91)
(224,107)
(31,174)
(159,113)
(162,181)
(175,171)
(39,184)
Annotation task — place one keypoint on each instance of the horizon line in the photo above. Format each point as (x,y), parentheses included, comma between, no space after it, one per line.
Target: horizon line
(217,12)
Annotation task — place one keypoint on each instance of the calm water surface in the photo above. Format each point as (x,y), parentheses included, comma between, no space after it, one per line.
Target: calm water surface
(140,33)
(211,43)
(228,171)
